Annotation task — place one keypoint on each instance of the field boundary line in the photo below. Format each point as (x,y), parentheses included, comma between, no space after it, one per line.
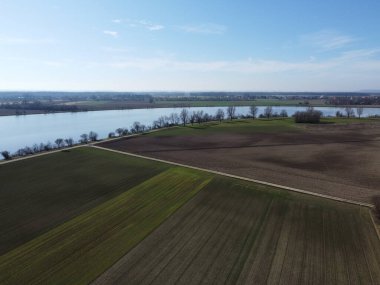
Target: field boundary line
(38,154)
(377,229)
(243,178)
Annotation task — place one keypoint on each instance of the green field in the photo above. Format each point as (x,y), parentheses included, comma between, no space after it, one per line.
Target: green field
(251,126)
(38,194)
(257,102)
(78,250)
(236,232)
(234,126)
(104,104)
(69,217)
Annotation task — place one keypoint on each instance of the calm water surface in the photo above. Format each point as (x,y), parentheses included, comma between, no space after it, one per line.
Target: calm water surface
(20,131)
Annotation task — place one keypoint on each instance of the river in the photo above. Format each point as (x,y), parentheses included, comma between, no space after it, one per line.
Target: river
(25,130)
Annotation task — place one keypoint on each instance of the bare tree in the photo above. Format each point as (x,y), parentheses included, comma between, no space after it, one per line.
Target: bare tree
(268,112)
(206,117)
(36,148)
(59,142)
(41,147)
(119,131)
(48,146)
(174,119)
(143,128)
(93,136)
(283,114)
(349,111)
(162,121)
(6,155)
(199,117)
(28,150)
(253,111)
(20,152)
(84,138)
(136,128)
(359,111)
(219,115)
(231,112)
(184,115)
(193,117)
(69,142)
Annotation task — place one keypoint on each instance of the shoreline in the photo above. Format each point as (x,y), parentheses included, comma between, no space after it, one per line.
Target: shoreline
(40,112)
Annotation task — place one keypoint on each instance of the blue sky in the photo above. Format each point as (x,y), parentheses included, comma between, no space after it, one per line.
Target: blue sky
(274,45)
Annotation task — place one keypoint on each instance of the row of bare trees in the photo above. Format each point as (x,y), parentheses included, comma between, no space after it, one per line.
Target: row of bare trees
(42,147)
(349,112)
(174,119)
(183,118)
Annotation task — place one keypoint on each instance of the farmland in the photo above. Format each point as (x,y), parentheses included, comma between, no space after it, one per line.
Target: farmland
(76,251)
(38,194)
(116,219)
(318,158)
(240,233)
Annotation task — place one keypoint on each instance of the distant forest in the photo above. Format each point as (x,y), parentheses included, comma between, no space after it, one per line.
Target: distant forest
(20,103)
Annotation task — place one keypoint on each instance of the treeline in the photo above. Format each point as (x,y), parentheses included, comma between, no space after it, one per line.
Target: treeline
(48,95)
(350,112)
(353,100)
(59,143)
(174,119)
(37,105)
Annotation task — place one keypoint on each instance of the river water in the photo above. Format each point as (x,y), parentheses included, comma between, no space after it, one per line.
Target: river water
(20,131)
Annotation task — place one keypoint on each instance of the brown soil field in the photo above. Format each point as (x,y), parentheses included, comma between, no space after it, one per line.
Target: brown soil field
(235,232)
(335,159)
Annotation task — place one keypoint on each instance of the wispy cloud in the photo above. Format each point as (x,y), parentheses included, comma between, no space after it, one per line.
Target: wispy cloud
(113,34)
(362,59)
(25,41)
(117,49)
(150,26)
(360,53)
(155,27)
(327,40)
(47,62)
(206,29)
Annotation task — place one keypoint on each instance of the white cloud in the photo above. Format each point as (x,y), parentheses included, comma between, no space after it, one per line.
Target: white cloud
(206,29)
(360,53)
(113,34)
(155,27)
(141,24)
(327,40)
(116,21)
